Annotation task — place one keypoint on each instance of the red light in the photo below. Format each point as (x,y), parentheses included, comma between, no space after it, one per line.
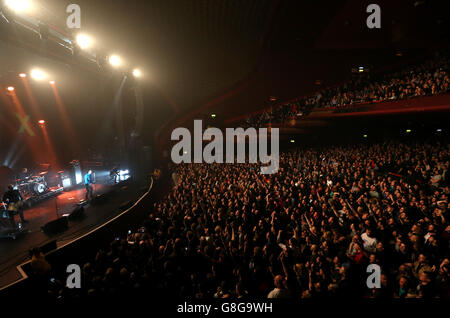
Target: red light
(41,122)
(23,75)
(10,88)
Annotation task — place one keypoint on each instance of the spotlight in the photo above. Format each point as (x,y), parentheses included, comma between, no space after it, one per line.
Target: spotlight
(78,177)
(66,182)
(84,41)
(41,122)
(115,61)
(38,75)
(22,75)
(10,89)
(124,174)
(137,72)
(19,5)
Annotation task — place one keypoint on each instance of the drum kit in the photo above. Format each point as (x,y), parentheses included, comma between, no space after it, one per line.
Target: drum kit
(32,186)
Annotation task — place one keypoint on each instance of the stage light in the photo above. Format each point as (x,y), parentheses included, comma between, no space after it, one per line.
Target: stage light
(78,177)
(115,61)
(84,41)
(137,72)
(66,183)
(10,89)
(124,175)
(408,131)
(52,82)
(22,75)
(38,75)
(19,5)
(41,122)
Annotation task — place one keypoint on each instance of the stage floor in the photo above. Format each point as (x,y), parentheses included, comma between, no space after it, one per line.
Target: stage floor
(15,252)
(55,207)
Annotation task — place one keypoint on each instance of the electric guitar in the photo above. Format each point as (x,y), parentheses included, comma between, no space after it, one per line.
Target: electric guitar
(15,206)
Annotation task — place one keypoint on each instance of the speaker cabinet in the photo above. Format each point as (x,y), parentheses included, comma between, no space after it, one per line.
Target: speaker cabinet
(56,226)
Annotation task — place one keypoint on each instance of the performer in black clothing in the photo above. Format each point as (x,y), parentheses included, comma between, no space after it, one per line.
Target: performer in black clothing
(24,174)
(114,174)
(13,197)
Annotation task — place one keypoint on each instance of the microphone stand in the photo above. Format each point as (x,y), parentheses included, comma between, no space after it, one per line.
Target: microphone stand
(56,205)
(93,183)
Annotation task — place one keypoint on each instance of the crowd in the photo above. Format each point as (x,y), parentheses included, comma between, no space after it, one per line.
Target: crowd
(429,78)
(308,231)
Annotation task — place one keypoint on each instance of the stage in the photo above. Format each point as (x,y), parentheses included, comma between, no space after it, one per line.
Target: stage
(54,207)
(15,251)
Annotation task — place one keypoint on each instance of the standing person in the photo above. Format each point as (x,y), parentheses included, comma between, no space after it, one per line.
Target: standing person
(25,174)
(280,290)
(114,174)
(88,181)
(14,199)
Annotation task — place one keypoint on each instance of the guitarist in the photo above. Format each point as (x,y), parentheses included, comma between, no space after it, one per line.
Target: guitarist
(114,174)
(14,200)
(88,181)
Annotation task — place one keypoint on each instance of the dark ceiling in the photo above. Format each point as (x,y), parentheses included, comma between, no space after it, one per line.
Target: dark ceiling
(229,56)
(196,50)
